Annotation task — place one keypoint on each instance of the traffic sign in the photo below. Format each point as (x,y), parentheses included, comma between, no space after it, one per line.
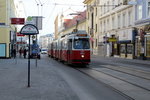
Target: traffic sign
(29,29)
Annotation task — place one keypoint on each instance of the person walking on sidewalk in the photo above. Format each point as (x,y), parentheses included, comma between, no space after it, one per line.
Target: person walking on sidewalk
(14,53)
(20,52)
(25,53)
(142,53)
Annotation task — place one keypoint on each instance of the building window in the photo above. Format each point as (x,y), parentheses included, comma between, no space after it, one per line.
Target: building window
(3,50)
(119,20)
(100,26)
(113,3)
(149,9)
(107,8)
(104,8)
(96,11)
(96,43)
(107,24)
(119,2)
(113,22)
(104,26)
(139,16)
(130,18)
(101,10)
(96,28)
(124,20)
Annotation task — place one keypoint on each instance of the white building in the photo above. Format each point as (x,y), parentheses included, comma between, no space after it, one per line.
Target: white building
(21,40)
(116,22)
(45,40)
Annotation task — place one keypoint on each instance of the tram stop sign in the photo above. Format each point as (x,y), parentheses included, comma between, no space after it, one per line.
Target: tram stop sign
(29,29)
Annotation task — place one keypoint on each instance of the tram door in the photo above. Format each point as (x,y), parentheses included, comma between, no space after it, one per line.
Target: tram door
(69,51)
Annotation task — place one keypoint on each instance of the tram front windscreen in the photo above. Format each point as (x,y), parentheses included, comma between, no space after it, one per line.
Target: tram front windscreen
(81,44)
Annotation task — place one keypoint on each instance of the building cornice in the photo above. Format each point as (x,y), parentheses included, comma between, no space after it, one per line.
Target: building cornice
(142,22)
(116,10)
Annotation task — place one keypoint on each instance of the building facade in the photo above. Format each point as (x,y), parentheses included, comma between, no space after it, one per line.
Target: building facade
(45,40)
(21,40)
(116,28)
(111,26)
(142,25)
(92,23)
(7,31)
(78,22)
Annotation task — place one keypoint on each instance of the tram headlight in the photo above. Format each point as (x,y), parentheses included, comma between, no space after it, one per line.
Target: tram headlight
(82,56)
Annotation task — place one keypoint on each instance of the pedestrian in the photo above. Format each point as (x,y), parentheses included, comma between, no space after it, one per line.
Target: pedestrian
(24,53)
(142,53)
(20,52)
(14,53)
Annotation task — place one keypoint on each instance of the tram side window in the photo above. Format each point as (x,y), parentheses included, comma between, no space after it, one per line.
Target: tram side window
(64,45)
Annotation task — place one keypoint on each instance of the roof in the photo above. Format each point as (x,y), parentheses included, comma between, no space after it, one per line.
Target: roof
(72,22)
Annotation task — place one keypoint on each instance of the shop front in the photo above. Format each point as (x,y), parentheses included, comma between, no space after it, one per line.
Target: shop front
(126,49)
(147,46)
(142,43)
(2,50)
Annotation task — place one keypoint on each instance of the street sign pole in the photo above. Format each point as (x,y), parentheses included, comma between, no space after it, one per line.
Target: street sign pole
(29,29)
(29,64)
(36,42)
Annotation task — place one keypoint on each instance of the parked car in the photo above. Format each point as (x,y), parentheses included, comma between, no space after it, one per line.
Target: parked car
(43,51)
(35,51)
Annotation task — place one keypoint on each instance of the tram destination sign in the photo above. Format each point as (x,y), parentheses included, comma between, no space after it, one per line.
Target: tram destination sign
(29,29)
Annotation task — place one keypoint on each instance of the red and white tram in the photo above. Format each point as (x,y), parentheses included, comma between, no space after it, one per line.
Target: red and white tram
(73,48)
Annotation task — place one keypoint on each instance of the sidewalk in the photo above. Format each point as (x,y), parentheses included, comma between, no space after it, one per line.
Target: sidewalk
(147,62)
(46,83)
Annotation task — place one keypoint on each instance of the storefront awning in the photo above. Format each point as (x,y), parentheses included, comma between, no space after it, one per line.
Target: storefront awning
(124,41)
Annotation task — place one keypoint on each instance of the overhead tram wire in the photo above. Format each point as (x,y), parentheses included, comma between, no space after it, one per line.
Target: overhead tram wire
(45,2)
(36,2)
(59,4)
(40,2)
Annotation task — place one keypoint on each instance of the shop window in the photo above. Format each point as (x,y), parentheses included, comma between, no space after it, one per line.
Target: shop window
(116,49)
(149,9)
(138,47)
(129,48)
(2,50)
(148,46)
(122,48)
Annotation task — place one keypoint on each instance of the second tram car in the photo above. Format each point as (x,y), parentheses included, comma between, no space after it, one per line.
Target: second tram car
(73,48)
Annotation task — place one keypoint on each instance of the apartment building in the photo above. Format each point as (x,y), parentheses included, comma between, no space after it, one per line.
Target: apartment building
(7,31)
(116,28)
(45,40)
(92,24)
(142,25)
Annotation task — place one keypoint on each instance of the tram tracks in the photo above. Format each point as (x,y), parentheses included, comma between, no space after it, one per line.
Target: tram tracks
(129,88)
(130,71)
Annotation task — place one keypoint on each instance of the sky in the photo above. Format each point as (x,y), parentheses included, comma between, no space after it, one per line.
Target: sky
(49,9)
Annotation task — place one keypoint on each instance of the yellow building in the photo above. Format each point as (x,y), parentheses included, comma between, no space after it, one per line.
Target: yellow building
(7,31)
(92,23)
